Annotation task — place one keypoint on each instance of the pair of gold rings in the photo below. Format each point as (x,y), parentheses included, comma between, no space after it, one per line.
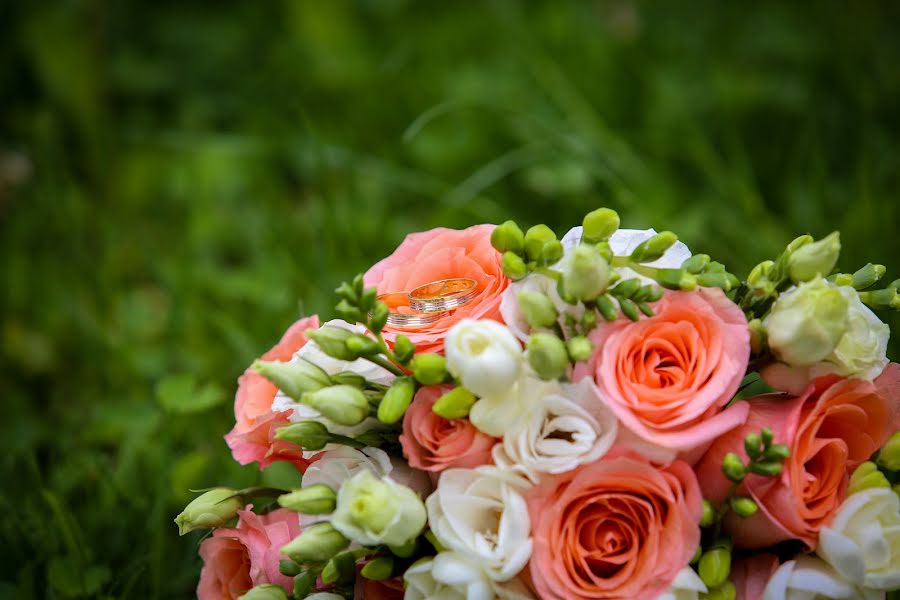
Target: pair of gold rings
(428,303)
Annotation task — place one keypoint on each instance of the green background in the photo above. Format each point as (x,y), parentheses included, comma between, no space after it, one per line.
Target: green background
(180,181)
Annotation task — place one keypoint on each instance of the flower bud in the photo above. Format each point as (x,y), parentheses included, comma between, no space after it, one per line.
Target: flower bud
(309,435)
(375,511)
(455,404)
(715,567)
(807,323)
(513,266)
(318,543)
(767,436)
(552,252)
(548,356)
(599,224)
(294,378)
(766,468)
(396,400)
(508,237)
(585,274)
(726,591)
(537,309)
(752,445)
(304,584)
(343,404)
(866,476)
(580,348)
(266,591)
(743,506)
(349,378)
(777,452)
(405,550)
(867,276)
(654,248)
(605,250)
(696,264)
(627,288)
(629,309)
(799,242)
(378,569)
(429,369)
(403,349)
(362,345)
(333,342)
(725,281)
(289,568)
(589,320)
(889,457)
(818,258)
(676,279)
(340,569)
(535,238)
(348,312)
(757,336)
(709,514)
(316,499)
(607,308)
(380,314)
(733,467)
(211,509)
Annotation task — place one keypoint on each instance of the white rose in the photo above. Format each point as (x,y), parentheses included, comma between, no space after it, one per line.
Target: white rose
(862,542)
(484,355)
(494,415)
(570,427)
(687,586)
(375,511)
(810,578)
(481,514)
(624,241)
(452,576)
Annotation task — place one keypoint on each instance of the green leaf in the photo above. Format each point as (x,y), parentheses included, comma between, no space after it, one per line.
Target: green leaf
(180,394)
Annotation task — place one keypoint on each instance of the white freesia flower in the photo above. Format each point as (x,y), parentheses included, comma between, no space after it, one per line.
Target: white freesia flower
(570,427)
(452,576)
(624,241)
(810,578)
(343,463)
(484,355)
(687,586)
(862,542)
(495,415)
(374,511)
(481,514)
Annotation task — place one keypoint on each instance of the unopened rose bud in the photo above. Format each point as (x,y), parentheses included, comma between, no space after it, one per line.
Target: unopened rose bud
(508,237)
(378,569)
(343,404)
(816,259)
(580,348)
(733,467)
(743,506)
(889,457)
(429,369)
(309,435)
(266,591)
(333,342)
(318,543)
(654,248)
(599,225)
(294,378)
(214,508)
(396,400)
(548,356)
(455,404)
(866,476)
(715,567)
(585,273)
(513,266)
(316,499)
(535,238)
(537,309)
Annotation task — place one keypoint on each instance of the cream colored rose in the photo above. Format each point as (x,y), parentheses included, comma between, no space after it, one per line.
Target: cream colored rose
(484,355)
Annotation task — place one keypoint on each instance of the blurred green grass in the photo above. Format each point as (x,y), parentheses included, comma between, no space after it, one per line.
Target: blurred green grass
(179,182)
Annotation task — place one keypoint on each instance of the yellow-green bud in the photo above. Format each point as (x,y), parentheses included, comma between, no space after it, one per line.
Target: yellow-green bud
(341,568)
(733,467)
(508,237)
(815,259)
(349,378)
(607,308)
(696,264)
(343,404)
(599,225)
(726,591)
(757,336)
(304,584)
(552,252)
(396,400)
(535,238)
(333,342)
(605,250)
(318,543)
(405,550)
(654,248)
(513,266)
(867,276)
(715,567)
(585,273)
(429,369)
(455,404)
(759,275)
(629,309)
(767,468)
(403,349)
(537,309)
(316,499)
(348,312)
(676,279)
(889,457)
(214,508)
(289,568)
(375,511)
(799,242)
(379,317)
(548,356)
(378,569)
(580,348)
(294,378)
(627,288)
(725,281)
(266,591)
(309,435)
(867,476)
(752,445)
(743,506)
(709,514)
(767,436)
(777,452)
(589,320)
(362,345)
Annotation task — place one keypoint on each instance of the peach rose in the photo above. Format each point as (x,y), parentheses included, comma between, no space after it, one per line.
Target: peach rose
(253,437)
(433,443)
(615,528)
(833,427)
(668,377)
(751,574)
(236,559)
(442,254)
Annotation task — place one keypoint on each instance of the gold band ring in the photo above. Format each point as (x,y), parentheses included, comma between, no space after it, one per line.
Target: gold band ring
(400,300)
(443,295)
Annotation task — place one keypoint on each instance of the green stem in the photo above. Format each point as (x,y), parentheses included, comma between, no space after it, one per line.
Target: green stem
(346,441)
(386,364)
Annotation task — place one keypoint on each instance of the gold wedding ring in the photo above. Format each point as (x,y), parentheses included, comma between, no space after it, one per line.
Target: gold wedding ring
(443,295)
(397,302)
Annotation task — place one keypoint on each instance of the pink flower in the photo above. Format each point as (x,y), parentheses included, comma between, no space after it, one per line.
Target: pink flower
(669,377)
(252,439)
(236,559)
(751,574)
(443,254)
(615,528)
(833,427)
(433,443)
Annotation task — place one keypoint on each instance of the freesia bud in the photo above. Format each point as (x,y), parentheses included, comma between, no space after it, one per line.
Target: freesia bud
(380,314)
(777,452)
(709,514)
(375,511)
(343,404)
(605,250)
(767,436)
(403,349)
(715,567)
(816,259)
(889,457)
(537,309)
(333,342)
(396,400)
(429,369)
(866,476)
(599,224)
(378,569)
(607,308)
(508,237)
(552,252)
(513,266)
(752,445)
(266,591)
(757,335)
(696,264)
(726,591)
(340,568)
(289,568)
(349,378)
(580,348)
(535,238)
(867,276)
(743,506)
(759,274)
(309,435)
(733,467)
(318,543)
(294,378)
(304,584)
(548,356)
(766,468)
(676,279)
(585,274)
(362,345)
(211,509)
(654,248)
(799,242)
(455,404)
(318,499)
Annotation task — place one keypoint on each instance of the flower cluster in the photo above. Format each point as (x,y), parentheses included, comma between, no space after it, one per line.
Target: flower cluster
(502,413)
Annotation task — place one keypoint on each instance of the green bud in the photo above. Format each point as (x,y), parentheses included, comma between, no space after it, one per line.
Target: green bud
(719,280)
(733,467)
(537,309)
(799,242)
(455,404)
(358,284)
(767,436)
(598,225)
(535,238)
(807,323)
(333,342)
(316,499)
(868,276)
(743,506)
(266,591)
(889,457)
(607,308)
(513,266)
(346,291)
(752,445)
(289,568)
(585,273)
(715,567)
(378,569)
(403,349)
(580,348)
(348,312)
(340,569)
(367,300)
(726,591)
(589,320)
(814,259)
(629,309)
(605,250)
(318,543)
(709,514)
(508,237)
(697,554)
(396,400)
(885,299)
(547,355)
(676,279)
(841,279)
(696,264)
(867,476)
(766,468)
(627,288)
(294,378)
(214,508)
(654,248)
(551,252)
(645,308)
(362,345)
(757,336)
(777,452)
(380,314)
(429,369)
(405,550)
(309,435)
(304,583)
(349,378)
(343,404)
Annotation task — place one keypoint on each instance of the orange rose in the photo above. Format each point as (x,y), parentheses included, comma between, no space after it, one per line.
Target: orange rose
(443,254)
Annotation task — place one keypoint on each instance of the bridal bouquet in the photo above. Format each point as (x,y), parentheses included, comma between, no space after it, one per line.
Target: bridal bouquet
(506,414)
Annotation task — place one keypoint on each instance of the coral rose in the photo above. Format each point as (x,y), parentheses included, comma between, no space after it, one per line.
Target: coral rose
(833,427)
(253,437)
(433,443)
(615,528)
(443,254)
(236,559)
(668,377)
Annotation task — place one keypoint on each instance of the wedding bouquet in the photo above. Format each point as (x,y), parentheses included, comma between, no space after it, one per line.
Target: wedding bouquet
(500,414)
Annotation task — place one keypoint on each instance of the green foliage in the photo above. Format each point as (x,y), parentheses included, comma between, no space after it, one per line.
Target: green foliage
(180,181)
